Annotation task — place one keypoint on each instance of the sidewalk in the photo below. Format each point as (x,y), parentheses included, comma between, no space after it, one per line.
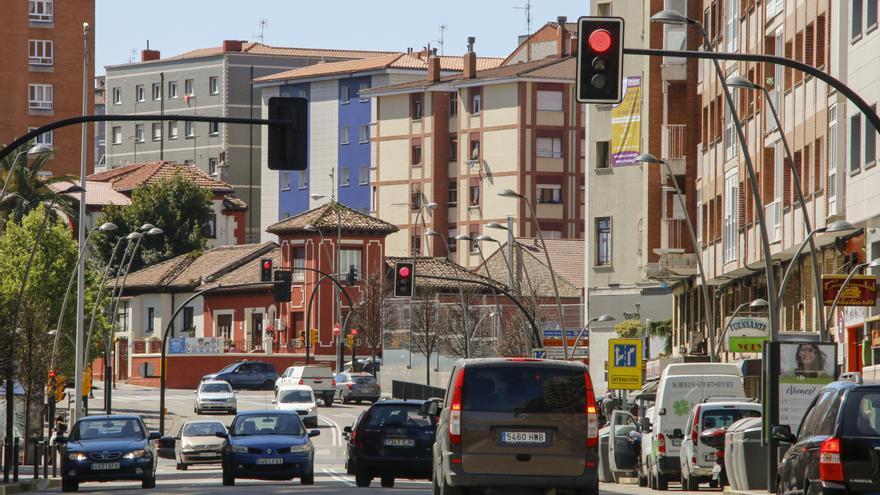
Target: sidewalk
(29,485)
(729,491)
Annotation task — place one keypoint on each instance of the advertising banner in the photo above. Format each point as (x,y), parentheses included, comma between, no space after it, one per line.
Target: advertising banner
(195,345)
(861,290)
(804,368)
(626,124)
(624,364)
(746,333)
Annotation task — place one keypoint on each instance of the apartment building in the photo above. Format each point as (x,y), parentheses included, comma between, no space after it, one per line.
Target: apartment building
(41,67)
(459,140)
(339,128)
(215,81)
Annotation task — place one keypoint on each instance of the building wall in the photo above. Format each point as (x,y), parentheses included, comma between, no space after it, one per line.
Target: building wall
(356,154)
(271,209)
(292,198)
(65,75)
(323,139)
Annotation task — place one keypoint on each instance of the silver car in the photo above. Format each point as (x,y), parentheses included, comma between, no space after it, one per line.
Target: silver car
(198,443)
(357,387)
(215,395)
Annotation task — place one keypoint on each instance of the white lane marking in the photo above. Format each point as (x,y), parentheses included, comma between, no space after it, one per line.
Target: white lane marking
(338,477)
(334,426)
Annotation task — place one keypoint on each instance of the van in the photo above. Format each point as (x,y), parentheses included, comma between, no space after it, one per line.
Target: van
(682,386)
(317,376)
(517,422)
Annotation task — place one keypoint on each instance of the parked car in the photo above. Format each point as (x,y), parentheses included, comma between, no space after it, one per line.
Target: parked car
(392,439)
(108,448)
(350,443)
(246,374)
(317,376)
(697,458)
(299,398)
(357,387)
(215,395)
(682,386)
(836,447)
(526,423)
(624,445)
(195,443)
(268,445)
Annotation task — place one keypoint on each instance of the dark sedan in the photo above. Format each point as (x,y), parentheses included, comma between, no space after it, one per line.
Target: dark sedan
(268,445)
(108,448)
(246,375)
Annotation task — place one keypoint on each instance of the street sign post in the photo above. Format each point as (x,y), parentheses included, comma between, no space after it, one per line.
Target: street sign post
(539,354)
(625,364)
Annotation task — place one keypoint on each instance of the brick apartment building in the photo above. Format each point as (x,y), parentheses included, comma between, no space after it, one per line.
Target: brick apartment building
(41,67)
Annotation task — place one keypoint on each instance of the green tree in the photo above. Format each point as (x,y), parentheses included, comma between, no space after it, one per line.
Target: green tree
(178,206)
(663,329)
(630,329)
(28,190)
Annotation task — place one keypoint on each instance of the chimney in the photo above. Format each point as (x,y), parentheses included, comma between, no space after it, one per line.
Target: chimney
(573,46)
(148,55)
(433,69)
(232,46)
(562,37)
(469,60)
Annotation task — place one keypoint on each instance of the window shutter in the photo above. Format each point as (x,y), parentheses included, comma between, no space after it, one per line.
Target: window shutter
(768,171)
(788,71)
(817,163)
(799,166)
(786,185)
(820,40)
(705,221)
(799,53)
(741,211)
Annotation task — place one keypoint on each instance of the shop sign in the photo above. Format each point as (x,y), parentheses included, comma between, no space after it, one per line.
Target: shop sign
(747,334)
(861,290)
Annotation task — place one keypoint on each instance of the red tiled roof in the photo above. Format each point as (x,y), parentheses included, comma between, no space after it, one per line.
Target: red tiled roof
(130,177)
(97,193)
(442,267)
(247,273)
(261,49)
(326,219)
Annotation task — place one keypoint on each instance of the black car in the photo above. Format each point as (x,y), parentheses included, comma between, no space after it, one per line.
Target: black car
(392,439)
(108,448)
(247,374)
(837,448)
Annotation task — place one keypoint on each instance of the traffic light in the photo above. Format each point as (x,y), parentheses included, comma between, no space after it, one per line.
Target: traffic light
(352,275)
(60,385)
(282,286)
(403,279)
(600,60)
(349,339)
(288,144)
(266,270)
(314,336)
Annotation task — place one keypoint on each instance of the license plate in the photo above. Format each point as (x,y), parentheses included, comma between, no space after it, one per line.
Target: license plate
(400,442)
(676,442)
(709,457)
(270,461)
(523,437)
(105,465)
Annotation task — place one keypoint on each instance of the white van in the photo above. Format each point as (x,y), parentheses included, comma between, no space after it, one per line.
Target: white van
(682,386)
(317,376)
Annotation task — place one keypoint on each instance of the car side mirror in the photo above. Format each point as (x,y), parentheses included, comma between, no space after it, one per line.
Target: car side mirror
(167,442)
(154,435)
(314,433)
(274,401)
(347,429)
(782,433)
(61,439)
(221,434)
(645,425)
(677,433)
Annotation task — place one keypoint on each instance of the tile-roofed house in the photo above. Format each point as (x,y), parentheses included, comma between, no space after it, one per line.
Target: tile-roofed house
(442,267)
(98,194)
(246,273)
(254,48)
(531,271)
(131,177)
(326,218)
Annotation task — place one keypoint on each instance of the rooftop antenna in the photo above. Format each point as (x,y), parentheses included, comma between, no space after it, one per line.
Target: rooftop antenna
(263,23)
(528,10)
(442,36)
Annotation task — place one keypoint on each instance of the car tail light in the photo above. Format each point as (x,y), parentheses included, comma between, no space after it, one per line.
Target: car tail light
(349,386)
(695,425)
(830,468)
(661,444)
(719,455)
(455,410)
(378,387)
(333,383)
(302,382)
(592,414)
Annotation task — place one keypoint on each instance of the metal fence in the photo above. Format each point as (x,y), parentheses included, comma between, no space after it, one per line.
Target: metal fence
(415,391)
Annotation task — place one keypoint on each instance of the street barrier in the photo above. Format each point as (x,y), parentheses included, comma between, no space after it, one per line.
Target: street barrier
(414,391)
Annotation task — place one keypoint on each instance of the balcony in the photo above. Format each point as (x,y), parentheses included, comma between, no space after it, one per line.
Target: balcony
(674,68)
(675,237)
(674,147)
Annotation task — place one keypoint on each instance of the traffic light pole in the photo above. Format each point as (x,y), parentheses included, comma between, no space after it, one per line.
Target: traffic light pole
(308,330)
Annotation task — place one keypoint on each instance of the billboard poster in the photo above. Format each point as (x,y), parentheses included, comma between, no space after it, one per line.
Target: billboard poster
(195,345)
(626,124)
(804,368)
(861,290)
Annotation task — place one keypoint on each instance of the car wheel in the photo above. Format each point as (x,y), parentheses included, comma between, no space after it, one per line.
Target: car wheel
(387,482)
(268,385)
(362,479)
(689,484)
(643,480)
(69,485)
(308,479)
(713,483)
(198,412)
(661,482)
(357,401)
(448,490)
(149,481)
(228,478)
(328,399)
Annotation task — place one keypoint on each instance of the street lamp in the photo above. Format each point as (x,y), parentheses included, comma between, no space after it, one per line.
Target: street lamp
(33,152)
(511,282)
(433,233)
(872,264)
(55,333)
(510,193)
(491,314)
(601,318)
(707,302)
(755,305)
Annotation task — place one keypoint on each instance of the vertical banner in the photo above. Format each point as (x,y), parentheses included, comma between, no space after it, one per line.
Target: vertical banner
(804,368)
(626,124)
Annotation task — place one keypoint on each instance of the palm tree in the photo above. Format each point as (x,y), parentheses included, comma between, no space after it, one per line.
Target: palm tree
(28,189)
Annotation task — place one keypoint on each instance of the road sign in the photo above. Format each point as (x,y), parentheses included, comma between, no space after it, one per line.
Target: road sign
(539,354)
(625,364)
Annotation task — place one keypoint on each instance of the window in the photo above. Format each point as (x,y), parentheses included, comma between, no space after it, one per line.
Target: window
(140,93)
(474,197)
(364,175)
(139,133)
(453,147)
(344,177)
(603,154)
(855,143)
(188,163)
(172,89)
(549,147)
(474,244)
(415,198)
(157,131)
(732,25)
(285,180)
(157,91)
(117,96)
(302,179)
(344,135)
(416,106)
(188,313)
(343,94)
(731,213)
(44,138)
(188,87)
(856,19)
(453,103)
(476,102)
(870,140)
(365,134)
(549,193)
(213,85)
(151,314)
(213,128)
(550,101)
(363,87)
(374,199)
(41,52)
(871,14)
(451,241)
(299,261)
(603,247)
(603,9)
(41,10)
(172,129)
(117,135)
(832,161)
(212,169)
(730,136)
(475,149)
(349,258)
(210,228)
(417,155)
(700,217)
(453,193)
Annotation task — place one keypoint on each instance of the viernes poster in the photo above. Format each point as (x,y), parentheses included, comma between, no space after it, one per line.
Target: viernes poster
(805,368)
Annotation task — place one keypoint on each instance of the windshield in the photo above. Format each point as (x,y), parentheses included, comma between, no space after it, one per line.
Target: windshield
(95,429)
(213,388)
(399,416)
(228,367)
(723,418)
(267,424)
(203,429)
(524,389)
(365,380)
(291,396)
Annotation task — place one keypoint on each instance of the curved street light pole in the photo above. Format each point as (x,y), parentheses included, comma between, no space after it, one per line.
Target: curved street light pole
(754,305)
(873,263)
(600,318)
(33,151)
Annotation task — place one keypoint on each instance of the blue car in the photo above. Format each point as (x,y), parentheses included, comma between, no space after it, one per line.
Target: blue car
(108,448)
(247,375)
(268,445)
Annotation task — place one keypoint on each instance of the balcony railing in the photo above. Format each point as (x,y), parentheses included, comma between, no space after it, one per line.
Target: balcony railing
(674,139)
(677,236)
(773,217)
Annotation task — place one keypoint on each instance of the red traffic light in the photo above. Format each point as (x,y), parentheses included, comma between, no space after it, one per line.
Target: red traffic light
(52,374)
(267,265)
(404,271)
(600,40)
(354,331)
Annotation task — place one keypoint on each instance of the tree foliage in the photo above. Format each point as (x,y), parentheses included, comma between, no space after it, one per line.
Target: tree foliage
(425,327)
(178,206)
(663,329)
(630,329)
(367,316)
(28,190)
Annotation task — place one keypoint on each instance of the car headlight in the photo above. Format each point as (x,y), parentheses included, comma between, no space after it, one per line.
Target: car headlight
(77,456)
(239,449)
(298,449)
(135,454)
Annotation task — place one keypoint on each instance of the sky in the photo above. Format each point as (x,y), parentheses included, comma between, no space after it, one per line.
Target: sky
(123,27)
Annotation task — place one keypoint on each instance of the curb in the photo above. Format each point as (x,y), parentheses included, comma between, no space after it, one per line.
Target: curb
(30,485)
(728,491)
